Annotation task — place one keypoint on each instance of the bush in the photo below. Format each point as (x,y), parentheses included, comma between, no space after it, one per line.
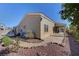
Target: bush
(6,40)
(77,35)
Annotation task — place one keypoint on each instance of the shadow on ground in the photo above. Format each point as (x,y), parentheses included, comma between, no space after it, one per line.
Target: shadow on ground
(74,46)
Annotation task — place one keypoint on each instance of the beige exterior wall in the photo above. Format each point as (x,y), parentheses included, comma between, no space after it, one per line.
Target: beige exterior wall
(50,24)
(31,23)
(35,22)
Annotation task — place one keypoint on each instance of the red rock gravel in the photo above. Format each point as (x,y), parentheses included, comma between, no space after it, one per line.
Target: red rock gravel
(50,50)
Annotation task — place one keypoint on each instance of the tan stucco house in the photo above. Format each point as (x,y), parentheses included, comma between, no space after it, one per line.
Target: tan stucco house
(39,25)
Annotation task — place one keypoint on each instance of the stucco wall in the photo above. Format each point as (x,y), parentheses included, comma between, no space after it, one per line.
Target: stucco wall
(31,23)
(50,24)
(35,22)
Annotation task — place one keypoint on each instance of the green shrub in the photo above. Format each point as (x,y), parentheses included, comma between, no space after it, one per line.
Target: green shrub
(77,35)
(6,40)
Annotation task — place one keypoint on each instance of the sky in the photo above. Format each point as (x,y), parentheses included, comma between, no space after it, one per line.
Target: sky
(11,14)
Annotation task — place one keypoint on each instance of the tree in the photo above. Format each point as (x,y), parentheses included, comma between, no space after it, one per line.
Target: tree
(72,29)
(70,12)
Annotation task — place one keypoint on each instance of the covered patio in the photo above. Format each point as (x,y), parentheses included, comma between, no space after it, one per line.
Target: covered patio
(59,28)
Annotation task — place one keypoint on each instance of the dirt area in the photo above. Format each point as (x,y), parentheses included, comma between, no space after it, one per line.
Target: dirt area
(71,48)
(49,50)
(27,40)
(41,48)
(36,42)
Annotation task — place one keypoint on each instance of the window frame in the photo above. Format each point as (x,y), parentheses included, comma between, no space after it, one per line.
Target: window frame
(45,28)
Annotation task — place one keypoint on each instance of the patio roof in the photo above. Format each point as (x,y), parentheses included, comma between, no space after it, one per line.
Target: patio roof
(60,24)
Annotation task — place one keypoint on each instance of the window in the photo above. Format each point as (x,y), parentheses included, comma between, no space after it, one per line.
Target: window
(45,28)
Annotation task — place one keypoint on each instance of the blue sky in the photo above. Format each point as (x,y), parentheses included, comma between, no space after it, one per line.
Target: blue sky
(12,14)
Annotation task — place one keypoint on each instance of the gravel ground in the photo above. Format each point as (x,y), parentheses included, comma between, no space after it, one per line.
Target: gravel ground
(71,47)
(49,50)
